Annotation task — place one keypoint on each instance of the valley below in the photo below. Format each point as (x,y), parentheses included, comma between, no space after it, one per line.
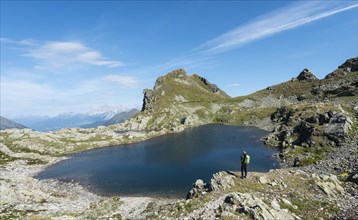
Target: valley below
(312,123)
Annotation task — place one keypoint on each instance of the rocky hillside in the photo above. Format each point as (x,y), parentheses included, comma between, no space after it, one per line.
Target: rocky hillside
(304,114)
(178,101)
(313,122)
(8,124)
(177,87)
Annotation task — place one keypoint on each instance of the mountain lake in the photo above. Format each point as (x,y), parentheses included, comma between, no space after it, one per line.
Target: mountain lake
(165,166)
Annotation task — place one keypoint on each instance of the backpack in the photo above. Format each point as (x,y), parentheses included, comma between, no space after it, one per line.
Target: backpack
(247,159)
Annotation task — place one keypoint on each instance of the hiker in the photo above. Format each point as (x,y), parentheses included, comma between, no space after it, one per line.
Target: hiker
(245,160)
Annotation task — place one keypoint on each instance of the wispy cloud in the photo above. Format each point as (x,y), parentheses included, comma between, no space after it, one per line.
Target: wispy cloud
(26,42)
(123,81)
(57,54)
(234,85)
(290,17)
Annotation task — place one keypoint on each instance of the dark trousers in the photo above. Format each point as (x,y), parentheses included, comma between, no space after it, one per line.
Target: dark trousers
(243,170)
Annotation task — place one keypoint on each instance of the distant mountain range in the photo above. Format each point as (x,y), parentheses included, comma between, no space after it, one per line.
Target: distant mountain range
(7,124)
(73,120)
(118,118)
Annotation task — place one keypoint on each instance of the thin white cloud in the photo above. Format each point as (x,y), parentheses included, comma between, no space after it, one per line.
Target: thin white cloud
(26,42)
(234,85)
(292,16)
(123,81)
(58,54)
(284,19)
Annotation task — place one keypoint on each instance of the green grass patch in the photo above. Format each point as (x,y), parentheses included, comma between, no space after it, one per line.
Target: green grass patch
(308,155)
(240,116)
(5,158)
(34,161)
(314,209)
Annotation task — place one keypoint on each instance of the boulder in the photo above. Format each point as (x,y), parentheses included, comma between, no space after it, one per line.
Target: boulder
(199,189)
(221,181)
(282,114)
(337,128)
(263,180)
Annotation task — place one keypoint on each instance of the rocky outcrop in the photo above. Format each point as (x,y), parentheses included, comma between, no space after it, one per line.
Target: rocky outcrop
(337,127)
(219,182)
(254,207)
(305,135)
(306,75)
(148,100)
(222,180)
(297,128)
(199,189)
(351,65)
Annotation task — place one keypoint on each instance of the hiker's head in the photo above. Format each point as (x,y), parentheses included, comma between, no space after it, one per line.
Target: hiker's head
(244,152)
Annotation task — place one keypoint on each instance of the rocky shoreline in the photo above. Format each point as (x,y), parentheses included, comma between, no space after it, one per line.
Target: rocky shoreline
(23,196)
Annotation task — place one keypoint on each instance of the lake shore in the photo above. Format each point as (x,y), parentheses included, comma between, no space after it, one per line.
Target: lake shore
(24,197)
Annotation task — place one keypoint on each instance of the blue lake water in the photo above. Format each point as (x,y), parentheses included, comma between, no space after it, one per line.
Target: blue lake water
(166,165)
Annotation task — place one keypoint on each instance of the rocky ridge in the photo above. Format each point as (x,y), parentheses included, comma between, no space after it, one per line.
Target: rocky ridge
(313,122)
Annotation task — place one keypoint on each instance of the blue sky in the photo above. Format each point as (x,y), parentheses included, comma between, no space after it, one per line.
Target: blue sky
(76,56)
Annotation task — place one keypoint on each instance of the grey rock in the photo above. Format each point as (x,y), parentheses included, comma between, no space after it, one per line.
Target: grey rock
(199,189)
(351,65)
(306,75)
(263,180)
(221,181)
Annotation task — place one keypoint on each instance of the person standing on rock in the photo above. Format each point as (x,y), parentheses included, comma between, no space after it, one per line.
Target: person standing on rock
(245,160)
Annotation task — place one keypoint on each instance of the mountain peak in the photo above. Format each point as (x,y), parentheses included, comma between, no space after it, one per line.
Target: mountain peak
(177,86)
(178,73)
(306,74)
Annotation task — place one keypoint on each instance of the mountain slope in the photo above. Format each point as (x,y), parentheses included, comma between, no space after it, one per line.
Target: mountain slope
(178,87)
(8,124)
(307,112)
